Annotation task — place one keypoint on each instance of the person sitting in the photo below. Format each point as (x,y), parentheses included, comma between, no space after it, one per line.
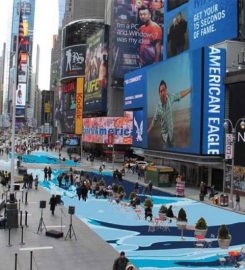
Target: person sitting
(170,213)
(148,213)
(212,192)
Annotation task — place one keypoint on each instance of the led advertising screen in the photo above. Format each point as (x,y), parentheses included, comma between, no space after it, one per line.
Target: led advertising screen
(137,34)
(213,101)
(21,95)
(197,23)
(73,61)
(96,130)
(174,104)
(96,72)
(135,89)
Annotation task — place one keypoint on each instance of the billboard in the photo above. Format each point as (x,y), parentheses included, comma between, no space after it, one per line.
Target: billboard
(22,73)
(197,23)
(96,130)
(73,61)
(21,95)
(67,110)
(79,106)
(137,35)
(174,104)
(135,89)
(213,101)
(236,114)
(96,73)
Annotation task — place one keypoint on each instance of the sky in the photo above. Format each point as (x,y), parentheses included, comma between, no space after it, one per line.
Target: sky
(45,26)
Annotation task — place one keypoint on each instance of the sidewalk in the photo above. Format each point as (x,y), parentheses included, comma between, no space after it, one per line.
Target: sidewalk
(88,252)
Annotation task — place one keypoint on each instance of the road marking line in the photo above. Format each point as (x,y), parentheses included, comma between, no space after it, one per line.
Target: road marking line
(36,248)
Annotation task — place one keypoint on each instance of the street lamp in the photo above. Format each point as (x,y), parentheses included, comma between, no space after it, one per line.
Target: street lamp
(228,122)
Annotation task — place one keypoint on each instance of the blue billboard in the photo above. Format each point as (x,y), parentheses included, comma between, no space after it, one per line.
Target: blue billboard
(135,89)
(174,104)
(213,101)
(198,23)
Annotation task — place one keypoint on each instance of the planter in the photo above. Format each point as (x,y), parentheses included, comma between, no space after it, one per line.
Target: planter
(224,243)
(181,225)
(201,232)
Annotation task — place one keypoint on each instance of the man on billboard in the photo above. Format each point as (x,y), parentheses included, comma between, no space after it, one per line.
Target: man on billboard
(150,38)
(164,113)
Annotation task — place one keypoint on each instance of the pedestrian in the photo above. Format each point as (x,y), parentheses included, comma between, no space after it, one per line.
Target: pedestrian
(136,187)
(121,262)
(45,173)
(52,203)
(30,180)
(36,182)
(150,185)
(130,267)
(49,173)
(238,206)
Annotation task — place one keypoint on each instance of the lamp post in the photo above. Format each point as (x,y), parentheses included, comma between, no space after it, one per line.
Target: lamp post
(228,122)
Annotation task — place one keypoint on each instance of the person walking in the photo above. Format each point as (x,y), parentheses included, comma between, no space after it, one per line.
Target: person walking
(238,206)
(45,173)
(52,203)
(49,173)
(36,182)
(121,262)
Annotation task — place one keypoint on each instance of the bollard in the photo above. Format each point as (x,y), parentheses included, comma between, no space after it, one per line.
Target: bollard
(2,195)
(19,204)
(22,196)
(9,244)
(22,236)
(31,260)
(26,197)
(15,264)
(20,218)
(26,213)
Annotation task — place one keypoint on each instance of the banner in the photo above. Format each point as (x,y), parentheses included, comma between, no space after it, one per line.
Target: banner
(213,101)
(73,61)
(79,106)
(228,145)
(96,130)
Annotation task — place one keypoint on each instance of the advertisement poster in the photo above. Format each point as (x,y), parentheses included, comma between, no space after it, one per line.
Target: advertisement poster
(137,34)
(195,23)
(21,95)
(73,61)
(22,73)
(174,105)
(96,73)
(96,130)
(139,129)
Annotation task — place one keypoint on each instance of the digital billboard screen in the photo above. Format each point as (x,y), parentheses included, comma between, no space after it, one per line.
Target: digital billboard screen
(73,61)
(96,130)
(174,104)
(96,73)
(137,35)
(197,23)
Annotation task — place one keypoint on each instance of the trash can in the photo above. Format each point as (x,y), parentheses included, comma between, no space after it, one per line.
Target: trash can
(226,200)
(12,215)
(222,200)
